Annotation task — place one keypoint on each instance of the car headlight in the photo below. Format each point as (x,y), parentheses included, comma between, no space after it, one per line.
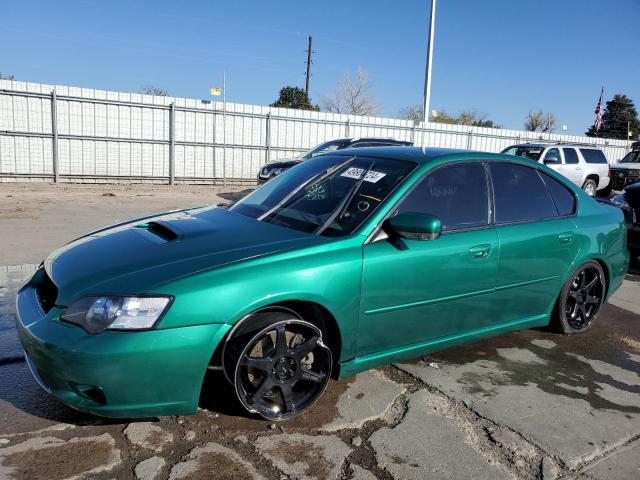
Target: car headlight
(96,314)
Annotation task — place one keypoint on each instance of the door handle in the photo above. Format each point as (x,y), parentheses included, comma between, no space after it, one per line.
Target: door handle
(565,237)
(578,168)
(480,251)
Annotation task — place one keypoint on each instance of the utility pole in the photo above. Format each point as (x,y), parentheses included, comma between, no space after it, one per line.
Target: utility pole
(427,73)
(306,87)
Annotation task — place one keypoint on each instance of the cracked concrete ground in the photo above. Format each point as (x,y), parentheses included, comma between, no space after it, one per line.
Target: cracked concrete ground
(527,405)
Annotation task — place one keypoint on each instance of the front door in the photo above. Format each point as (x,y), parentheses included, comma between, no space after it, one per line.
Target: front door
(416,290)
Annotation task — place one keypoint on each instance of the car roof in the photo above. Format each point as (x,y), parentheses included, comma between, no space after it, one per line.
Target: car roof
(422,155)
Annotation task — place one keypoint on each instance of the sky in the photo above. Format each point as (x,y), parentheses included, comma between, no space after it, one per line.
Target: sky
(501,57)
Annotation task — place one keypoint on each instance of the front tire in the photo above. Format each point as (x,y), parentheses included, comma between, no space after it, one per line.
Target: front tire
(281,368)
(581,298)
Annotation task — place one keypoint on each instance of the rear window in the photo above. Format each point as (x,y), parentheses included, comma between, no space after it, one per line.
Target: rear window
(592,155)
(563,197)
(520,194)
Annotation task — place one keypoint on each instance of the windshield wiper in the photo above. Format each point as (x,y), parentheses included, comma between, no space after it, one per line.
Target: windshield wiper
(316,178)
(341,208)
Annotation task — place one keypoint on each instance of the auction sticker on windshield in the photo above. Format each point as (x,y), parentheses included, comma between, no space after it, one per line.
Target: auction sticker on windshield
(356,173)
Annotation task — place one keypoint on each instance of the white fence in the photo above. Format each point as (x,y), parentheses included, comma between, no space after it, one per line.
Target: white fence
(79,134)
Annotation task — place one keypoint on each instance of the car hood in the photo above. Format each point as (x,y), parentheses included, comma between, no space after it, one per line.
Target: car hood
(137,256)
(626,166)
(284,163)
(632,195)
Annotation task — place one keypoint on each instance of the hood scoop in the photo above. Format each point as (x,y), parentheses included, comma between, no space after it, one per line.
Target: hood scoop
(157,232)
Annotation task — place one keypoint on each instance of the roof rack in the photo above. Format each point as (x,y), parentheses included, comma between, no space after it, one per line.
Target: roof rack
(559,142)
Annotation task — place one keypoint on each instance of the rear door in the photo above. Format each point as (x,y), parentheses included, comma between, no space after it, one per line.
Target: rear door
(574,170)
(596,163)
(538,242)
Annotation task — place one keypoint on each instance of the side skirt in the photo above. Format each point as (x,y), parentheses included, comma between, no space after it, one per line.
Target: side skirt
(406,352)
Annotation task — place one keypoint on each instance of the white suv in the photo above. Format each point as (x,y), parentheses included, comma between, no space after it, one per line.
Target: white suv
(584,165)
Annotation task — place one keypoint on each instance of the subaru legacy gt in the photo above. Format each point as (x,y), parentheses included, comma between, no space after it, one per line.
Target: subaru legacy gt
(347,262)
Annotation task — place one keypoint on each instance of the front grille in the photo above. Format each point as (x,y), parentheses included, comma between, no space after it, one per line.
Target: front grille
(47,292)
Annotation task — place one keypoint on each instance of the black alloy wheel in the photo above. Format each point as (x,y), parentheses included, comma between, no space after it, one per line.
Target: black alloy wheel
(282,370)
(581,298)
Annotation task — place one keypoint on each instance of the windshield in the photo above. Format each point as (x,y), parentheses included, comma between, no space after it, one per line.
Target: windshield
(324,148)
(631,157)
(325,195)
(532,153)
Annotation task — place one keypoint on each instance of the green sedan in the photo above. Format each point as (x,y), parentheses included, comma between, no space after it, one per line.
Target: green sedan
(349,261)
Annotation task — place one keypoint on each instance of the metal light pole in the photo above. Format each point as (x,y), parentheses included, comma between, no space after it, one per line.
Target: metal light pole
(224,127)
(427,73)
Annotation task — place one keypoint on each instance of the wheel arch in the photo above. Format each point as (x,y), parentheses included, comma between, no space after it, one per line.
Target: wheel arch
(592,176)
(310,311)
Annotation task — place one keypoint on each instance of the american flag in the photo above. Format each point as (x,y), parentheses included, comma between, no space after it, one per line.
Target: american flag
(598,111)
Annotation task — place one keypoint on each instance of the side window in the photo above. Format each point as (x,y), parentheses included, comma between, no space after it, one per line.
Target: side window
(552,153)
(570,155)
(456,194)
(591,155)
(563,197)
(520,194)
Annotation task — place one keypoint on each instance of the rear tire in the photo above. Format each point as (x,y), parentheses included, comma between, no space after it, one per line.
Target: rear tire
(580,300)
(589,187)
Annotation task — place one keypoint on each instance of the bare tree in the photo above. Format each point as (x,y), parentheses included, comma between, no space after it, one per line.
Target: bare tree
(540,121)
(151,90)
(353,96)
(413,112)
(466,117)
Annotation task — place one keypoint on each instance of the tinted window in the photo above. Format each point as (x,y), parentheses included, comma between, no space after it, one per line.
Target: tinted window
(562,196)
(553,153)
(570,155)
(520,194)
(523,151)
(456,194)
(592,155)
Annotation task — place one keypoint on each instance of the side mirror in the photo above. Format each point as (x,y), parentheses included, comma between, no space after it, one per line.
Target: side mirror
(551,160)
(415,226)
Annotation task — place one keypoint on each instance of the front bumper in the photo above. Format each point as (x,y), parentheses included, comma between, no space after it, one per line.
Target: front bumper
(620,179)
(116,374)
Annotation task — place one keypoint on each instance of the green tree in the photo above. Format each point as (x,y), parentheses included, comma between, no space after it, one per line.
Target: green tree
(619,116)
(296,98)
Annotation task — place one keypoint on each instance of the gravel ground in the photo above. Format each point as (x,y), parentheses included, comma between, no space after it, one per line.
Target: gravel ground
(532,404)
